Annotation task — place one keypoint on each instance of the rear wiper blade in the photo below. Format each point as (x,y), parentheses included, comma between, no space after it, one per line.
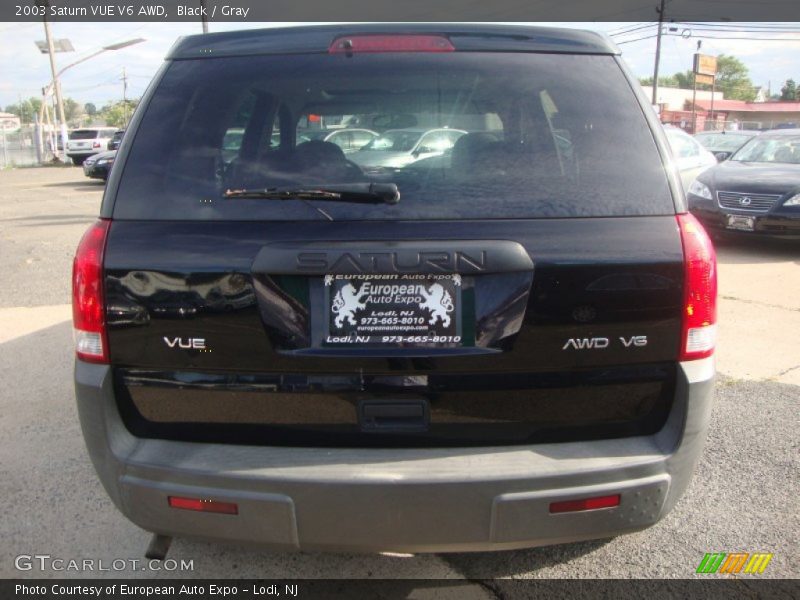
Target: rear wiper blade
(345,192)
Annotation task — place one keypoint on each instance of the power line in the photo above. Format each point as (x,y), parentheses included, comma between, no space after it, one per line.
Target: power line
(649,37)
(633,29)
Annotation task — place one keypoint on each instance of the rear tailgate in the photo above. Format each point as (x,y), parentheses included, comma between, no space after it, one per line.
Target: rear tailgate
(569,329)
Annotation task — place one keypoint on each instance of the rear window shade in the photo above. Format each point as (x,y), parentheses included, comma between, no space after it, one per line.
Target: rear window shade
(463,135)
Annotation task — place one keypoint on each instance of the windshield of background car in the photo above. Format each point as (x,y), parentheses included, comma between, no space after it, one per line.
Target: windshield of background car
(723,142)
(527,136)
(783,149)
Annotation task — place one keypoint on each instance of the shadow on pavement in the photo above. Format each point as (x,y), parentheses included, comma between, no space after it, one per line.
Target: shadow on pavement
(508,563)
(78,185)
(750,250)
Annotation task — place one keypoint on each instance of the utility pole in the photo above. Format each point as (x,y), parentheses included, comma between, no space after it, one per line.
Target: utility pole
(694,91)
(660,10)
(203,18)
(124,98)
(57,88)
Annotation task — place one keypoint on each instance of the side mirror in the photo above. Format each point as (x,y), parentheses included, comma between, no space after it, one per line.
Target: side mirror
(721,156)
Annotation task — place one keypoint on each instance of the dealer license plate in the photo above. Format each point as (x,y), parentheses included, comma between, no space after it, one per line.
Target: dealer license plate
(396,310)
(740,223)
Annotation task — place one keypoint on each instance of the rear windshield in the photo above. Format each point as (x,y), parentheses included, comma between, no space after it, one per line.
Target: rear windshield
(83,134)
(462,135)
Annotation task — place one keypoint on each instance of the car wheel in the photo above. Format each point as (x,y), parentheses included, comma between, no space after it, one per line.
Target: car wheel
(77,160)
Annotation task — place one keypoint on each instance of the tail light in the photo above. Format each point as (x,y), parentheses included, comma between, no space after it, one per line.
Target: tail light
(700,296)
(96,145)
(390,43)
(88,306)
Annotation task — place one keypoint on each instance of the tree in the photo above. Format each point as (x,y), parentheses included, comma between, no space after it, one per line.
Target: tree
(118,114)
(90,109)
(733,79)
(789,90)
(686,80)
(72,110)
(663,81)
(26,109)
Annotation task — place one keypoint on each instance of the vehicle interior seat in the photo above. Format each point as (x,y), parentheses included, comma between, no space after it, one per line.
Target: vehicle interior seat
(324,161)
(466,152)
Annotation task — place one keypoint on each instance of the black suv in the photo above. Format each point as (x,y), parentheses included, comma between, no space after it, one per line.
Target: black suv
(116,140)
(502,343)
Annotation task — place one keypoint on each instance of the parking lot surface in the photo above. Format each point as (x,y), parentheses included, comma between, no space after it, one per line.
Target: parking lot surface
(745,496)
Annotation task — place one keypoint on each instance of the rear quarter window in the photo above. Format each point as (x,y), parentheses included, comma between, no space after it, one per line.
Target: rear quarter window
(463,135)
(83,134)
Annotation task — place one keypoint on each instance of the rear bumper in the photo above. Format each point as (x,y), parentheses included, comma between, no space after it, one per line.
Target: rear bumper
(773,224)
(404,500)
(84,152)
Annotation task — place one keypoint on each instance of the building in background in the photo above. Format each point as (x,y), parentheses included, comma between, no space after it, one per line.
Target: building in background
(9,122)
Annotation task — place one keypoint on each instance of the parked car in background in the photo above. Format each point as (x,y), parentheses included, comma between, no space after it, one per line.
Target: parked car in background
(756,191)
(691,157)
(724,143)
(116,139)
(83,143)
(349,140)
(400,147)
(97,166)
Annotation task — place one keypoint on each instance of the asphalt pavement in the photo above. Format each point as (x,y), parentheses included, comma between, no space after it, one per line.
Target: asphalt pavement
(744,497)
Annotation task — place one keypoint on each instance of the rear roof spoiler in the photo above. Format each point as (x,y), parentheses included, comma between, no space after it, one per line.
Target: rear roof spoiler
(465,37)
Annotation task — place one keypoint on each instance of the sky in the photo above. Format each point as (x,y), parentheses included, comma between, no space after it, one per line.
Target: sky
(772,57)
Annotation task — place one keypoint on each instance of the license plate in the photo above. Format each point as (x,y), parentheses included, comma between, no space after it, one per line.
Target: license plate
(394,310)
(740,223)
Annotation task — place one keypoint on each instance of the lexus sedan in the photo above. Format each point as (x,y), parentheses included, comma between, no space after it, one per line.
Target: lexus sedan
(756,191)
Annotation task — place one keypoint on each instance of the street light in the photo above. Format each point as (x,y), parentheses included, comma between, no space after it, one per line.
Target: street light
(55,84)
(118,46)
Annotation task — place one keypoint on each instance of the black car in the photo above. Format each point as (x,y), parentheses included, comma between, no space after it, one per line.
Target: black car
(724,143)
(506,345)
(755,191)
(116,139)
(98,166)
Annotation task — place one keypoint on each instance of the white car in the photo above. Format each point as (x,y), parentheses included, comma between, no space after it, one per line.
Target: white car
(690,156)
(83,143)
(398,148)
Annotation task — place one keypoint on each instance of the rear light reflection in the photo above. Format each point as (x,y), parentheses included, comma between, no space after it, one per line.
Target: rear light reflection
(88,308)
(585,504)
(202,505)
(700,296)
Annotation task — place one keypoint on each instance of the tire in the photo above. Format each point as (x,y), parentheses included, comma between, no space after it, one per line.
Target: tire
(77,160)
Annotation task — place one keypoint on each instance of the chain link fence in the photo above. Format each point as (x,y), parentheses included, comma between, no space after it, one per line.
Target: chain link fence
(18,147)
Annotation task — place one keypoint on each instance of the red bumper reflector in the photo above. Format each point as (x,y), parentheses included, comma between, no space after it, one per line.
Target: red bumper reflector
(585,504)
(352,44)
(212,506)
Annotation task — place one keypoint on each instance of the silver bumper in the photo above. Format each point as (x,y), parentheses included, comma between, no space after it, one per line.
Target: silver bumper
(403,500)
